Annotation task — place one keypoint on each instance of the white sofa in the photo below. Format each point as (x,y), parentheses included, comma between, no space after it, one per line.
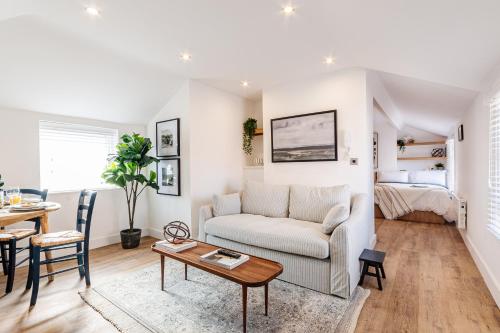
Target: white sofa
(269,227)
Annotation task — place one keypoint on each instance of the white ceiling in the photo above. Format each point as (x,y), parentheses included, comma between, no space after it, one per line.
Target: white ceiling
(126,61)
(429,106)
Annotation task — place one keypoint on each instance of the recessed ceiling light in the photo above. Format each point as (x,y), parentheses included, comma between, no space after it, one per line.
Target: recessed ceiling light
(92,11)
(329,60)
(288,10)
(185,56)
(244,84)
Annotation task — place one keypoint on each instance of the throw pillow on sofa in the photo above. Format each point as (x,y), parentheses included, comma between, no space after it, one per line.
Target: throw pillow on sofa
(310,203)
(265,199)
(336,215)
(226,204)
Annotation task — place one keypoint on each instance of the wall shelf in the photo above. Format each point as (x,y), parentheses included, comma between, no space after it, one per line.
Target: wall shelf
(430,143)
(427,158)
(259,131)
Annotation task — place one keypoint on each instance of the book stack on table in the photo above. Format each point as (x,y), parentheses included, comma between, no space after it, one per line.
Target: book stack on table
(175,247)
(224,258)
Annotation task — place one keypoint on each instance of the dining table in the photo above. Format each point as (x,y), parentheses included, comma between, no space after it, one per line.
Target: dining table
(9,217)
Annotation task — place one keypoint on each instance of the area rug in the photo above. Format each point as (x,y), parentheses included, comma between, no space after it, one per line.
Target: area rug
(207,303)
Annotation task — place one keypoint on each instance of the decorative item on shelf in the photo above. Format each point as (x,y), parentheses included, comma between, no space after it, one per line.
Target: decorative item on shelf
(375,150)
(169,176)
(249,127)
(125,170)
(410,140)
(310,137)
(258,161)
(438,152)
(168,138)
(439,166)
(176,232)
(401,145)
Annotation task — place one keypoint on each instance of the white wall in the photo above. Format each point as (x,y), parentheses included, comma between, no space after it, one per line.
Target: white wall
(345,92)
(166,208)
(212,158)
(217,158)
(387,137)
(20,166)
(472,158)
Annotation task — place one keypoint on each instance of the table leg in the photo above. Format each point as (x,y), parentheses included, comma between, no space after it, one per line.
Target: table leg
(266,294)
(244,308)
(162,270)
(185,271)
(44,225)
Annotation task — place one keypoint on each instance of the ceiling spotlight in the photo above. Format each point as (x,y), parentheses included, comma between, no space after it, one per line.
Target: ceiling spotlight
(329,60)
(185,56)
(244,84)
(92,11)
(288,10)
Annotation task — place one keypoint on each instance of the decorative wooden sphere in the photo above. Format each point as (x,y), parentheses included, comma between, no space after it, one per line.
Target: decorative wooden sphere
(176,232)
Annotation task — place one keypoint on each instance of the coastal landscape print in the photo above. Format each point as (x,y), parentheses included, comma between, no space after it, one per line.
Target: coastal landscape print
(307,137)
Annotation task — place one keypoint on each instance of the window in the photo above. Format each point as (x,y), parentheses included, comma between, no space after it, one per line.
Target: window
(494,179)
(73,157)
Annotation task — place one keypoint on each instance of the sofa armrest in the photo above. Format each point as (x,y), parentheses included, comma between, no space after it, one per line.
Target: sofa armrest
(346,244)
(205,215)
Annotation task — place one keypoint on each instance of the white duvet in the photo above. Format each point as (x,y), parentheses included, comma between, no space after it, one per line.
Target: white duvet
(429,198)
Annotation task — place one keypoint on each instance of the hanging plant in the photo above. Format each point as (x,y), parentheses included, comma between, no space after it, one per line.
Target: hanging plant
(249,127)
(402,145)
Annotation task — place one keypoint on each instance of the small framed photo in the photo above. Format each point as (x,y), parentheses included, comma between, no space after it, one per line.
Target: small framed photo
(461,132)
(168,138)
(169,176)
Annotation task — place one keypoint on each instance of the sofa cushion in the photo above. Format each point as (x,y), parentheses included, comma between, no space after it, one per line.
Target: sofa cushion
(311,203)
(280,234)
(336,215)
(226,204)
(265,199)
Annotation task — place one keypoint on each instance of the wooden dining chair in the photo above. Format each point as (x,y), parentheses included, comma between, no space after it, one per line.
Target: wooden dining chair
(68,239)
(9,239)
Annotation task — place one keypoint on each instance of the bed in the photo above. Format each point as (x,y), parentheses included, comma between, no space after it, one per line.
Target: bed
(419,196)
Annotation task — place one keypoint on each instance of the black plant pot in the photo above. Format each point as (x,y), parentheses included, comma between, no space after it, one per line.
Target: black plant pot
(130,239)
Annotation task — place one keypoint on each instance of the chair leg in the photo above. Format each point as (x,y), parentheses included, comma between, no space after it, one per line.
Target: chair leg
(86,263)
(36,274)
(29,281)
(4,258)
(379,282)
(12,265)
(81,270)
(363,273)
(382,270)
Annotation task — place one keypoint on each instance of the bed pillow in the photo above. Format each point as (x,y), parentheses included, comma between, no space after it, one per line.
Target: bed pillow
(310,203)
(265,199)
(336,215)
(392,176)
(432,177)
(226,204)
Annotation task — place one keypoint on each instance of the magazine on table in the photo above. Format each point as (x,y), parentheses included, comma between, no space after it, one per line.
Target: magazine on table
(223,260)
(175,247)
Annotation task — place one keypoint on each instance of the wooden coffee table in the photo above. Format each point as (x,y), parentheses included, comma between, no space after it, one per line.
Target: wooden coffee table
(256,272)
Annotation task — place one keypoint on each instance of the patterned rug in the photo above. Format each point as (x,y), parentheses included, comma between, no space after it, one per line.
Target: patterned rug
(207,303)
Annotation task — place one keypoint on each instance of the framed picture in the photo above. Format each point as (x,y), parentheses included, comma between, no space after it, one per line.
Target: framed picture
(461,132)
(168,138)
(309,137)
(375,150)
(169,176)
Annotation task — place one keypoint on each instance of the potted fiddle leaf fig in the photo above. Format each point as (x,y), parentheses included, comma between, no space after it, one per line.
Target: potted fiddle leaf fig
(127,169)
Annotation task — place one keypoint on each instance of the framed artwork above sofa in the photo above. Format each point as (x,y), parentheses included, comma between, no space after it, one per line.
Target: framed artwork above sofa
(310,137)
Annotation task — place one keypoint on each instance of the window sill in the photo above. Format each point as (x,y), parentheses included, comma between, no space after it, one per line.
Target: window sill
(99,189)
(494,230)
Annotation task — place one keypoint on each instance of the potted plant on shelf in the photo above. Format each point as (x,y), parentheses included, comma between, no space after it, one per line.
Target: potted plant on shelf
(402,145)
(439,166)
(125,170)
(249,127)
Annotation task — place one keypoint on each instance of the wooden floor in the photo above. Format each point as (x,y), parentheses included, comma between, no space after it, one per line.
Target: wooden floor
(432,285)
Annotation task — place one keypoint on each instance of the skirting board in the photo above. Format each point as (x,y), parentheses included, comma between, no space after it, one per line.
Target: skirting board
(491,282)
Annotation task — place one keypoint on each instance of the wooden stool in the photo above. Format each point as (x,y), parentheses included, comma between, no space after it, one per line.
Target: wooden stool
(375,259)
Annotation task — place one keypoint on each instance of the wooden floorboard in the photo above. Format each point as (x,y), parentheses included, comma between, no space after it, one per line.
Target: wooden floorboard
(432,285)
